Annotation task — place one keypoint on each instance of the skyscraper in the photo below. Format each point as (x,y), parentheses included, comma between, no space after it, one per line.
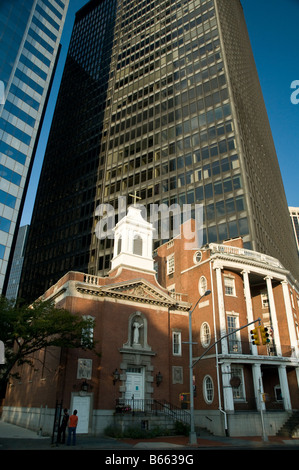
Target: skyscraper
(161,99)
(29,47)
(17,263)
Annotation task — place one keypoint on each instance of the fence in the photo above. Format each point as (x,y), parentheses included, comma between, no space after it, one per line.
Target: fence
(152,407)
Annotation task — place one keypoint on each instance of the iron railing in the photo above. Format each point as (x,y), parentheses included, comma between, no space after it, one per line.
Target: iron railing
(152,407)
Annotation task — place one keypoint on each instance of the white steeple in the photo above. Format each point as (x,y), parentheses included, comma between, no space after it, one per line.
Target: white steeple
(133,242)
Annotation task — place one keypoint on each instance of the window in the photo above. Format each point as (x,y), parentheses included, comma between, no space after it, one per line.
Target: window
(239,390)
(170,264)
(234,338)
(197,257)
(229,286)
(208,389)
(137,246)
(264,299)
(277,392)
(202,285)
(205,334)
(2,251)
(176,343)
(87,334)
(4,224)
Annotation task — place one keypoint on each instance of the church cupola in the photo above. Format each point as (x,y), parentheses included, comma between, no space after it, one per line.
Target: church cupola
(133,242)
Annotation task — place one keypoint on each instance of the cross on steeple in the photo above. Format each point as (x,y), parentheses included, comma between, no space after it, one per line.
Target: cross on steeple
(134,196)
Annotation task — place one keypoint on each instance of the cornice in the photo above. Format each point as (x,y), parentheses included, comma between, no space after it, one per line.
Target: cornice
(136,291)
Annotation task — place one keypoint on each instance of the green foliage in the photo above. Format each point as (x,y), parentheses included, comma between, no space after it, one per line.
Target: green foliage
(25,329)
(182,429)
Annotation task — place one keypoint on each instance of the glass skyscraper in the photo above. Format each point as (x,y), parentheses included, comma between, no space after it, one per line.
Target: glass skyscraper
(159,98)
(30,32)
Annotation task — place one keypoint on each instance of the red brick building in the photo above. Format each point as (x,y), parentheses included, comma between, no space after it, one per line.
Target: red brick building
(141,329)
(236,377)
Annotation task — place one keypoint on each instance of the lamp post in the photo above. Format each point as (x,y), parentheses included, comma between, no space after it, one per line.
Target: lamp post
(192,435)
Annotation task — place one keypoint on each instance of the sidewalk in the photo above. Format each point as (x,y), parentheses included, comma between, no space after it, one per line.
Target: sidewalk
(14,437)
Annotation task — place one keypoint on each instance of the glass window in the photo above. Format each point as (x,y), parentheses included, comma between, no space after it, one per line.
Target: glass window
(233,229)
(176,343)
(205,334)
(222,231)
(229,286)
(170,264)
(24,97)
(7,199)
(14,131)
(202,285)
(2,251)
(10,175)
(243,226)
(208,389)
(4,224)
(234,338)
(238,391)
(24,78)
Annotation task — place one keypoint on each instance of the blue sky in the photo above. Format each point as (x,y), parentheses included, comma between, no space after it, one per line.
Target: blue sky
(273,31)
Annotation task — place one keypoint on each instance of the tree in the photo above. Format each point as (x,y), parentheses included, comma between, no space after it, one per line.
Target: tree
(26,329)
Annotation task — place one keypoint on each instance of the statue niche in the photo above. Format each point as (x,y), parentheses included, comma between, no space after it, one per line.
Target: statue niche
(137,335)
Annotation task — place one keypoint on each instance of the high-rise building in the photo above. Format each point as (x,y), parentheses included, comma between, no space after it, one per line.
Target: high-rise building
(294,213)
(160,99)
(17,264)
(29,48)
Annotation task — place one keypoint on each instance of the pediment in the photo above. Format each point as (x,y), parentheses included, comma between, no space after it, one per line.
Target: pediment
(137,291)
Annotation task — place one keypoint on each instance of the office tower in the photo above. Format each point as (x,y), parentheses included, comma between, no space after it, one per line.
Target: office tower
(29,47)
(161,99)
(17,263)
(294,213)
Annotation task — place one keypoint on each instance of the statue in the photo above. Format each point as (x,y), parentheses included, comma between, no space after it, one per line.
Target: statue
(136,326)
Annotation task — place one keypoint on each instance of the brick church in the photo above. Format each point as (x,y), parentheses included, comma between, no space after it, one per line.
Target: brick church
(141,312)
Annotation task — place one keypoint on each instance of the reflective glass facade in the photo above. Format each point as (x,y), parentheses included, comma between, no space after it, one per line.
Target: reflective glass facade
(171,114)
(30,35)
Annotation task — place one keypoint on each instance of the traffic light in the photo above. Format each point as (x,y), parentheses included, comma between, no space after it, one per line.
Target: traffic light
(255,339)
(264,335)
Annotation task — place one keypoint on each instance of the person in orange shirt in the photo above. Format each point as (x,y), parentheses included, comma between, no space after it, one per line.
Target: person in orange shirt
(73,422)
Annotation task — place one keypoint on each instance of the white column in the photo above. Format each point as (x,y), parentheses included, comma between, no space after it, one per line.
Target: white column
(273,315)
(289,315)
(221,310)
(285,392)
(248,301)
(228,398)
(258,386)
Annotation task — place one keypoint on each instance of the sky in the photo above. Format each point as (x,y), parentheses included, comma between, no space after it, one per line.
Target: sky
(273,32)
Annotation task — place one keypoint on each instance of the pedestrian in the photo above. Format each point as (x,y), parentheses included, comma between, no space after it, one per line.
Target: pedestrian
(62,427)
(73,422)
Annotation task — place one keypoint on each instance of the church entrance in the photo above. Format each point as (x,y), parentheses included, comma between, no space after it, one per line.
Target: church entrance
(82,405)
(135,387)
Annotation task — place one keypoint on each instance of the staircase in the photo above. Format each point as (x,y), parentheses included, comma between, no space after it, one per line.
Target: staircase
(157,412)
(291,426)
(172,411)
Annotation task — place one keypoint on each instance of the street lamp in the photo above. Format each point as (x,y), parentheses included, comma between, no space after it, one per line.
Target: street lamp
(192,435)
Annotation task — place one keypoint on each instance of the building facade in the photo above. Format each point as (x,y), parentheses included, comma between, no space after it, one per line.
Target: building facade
(141,312)
(237,375)
(29,49)
(167,106)
(17,264)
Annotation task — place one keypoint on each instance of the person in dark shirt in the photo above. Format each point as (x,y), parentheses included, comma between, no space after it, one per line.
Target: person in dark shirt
(62,427)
